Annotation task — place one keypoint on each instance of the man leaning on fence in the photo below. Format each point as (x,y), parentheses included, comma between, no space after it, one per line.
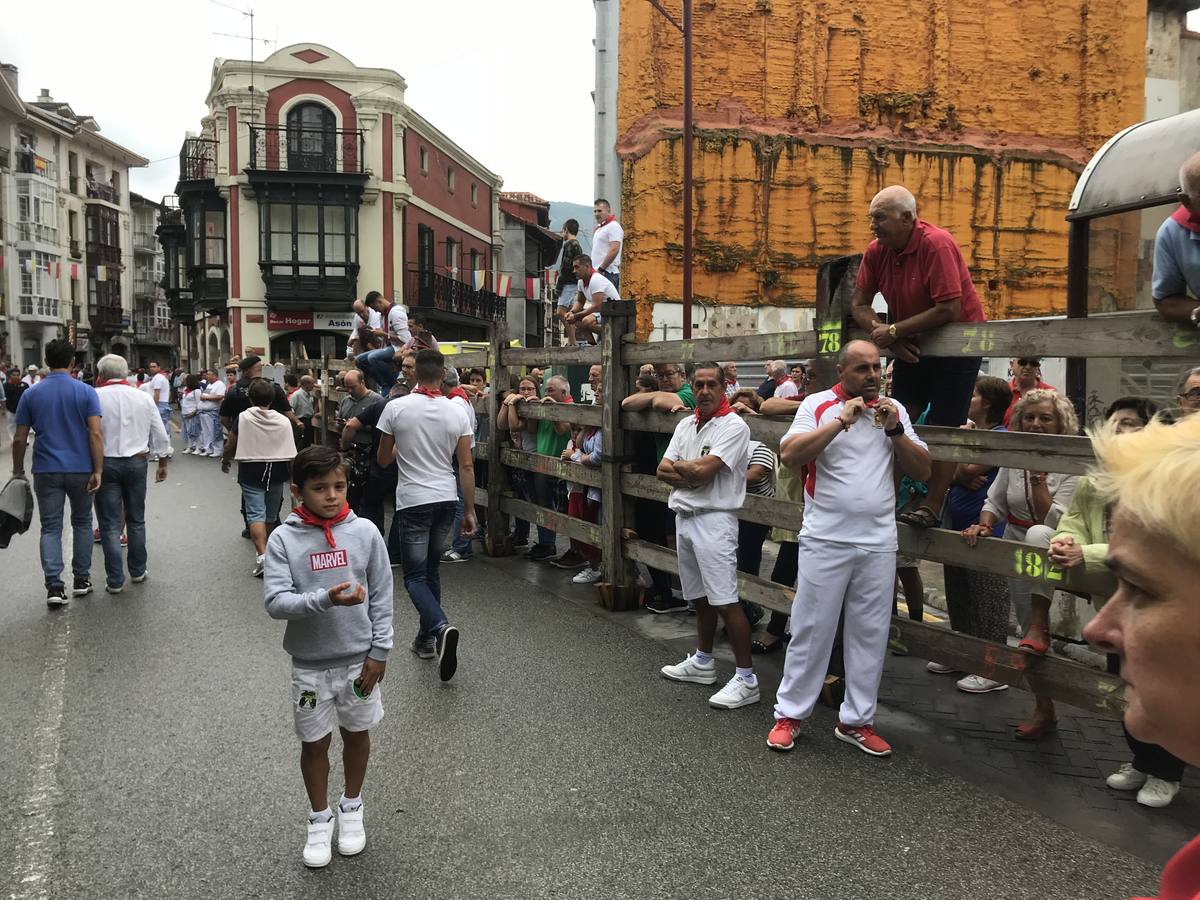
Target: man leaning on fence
(923,277)
(1176,284)
(852,440)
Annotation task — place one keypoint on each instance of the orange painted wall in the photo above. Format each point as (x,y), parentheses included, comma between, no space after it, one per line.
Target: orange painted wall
(986,109)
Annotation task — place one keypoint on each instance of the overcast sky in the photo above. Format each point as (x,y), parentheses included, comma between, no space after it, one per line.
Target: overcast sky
(509,82)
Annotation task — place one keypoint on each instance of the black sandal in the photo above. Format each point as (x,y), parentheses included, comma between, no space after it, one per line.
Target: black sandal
(759,648)
(920,517)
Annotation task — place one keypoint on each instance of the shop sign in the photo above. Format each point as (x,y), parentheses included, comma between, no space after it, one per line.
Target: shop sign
(310,321)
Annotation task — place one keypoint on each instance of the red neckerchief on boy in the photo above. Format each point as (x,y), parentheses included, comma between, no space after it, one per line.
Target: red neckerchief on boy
(1187,218)
(308,517)
(723,410)
(428,392)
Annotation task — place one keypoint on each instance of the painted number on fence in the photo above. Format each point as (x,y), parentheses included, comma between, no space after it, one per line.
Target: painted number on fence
(830,338)
(1184,338)
(978,340)
(1031,564)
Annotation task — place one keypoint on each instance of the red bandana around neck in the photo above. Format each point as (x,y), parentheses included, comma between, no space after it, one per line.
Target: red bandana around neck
(459,392)
(1188,219)
(428,392)
(840,393)
(308,517)
(109,381)
(723,410)
(608,220)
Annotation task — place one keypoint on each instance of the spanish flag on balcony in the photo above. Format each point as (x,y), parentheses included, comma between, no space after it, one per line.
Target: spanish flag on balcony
(102,273)
(478,277)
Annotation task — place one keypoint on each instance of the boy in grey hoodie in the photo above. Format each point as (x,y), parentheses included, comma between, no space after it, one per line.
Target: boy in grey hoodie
(327,573)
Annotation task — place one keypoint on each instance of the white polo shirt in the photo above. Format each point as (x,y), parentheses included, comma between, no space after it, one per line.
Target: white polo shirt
(598,284)
(158,383)
(397,326)
(602,240)
(727,437)
(786,388)
(849,491)
(426,431)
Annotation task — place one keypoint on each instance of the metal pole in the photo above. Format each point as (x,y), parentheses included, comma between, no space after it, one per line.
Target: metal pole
(687,169)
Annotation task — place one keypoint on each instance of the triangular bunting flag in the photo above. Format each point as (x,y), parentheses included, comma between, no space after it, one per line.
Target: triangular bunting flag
(502,283)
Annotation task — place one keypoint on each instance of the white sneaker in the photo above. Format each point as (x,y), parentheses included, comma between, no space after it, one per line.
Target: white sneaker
(352,837)
(1157,793)
(938,668)
(587,576)
(736,693)
(977,684)
(138,579)
(318,849)
(259,564)
(1126,778)
(690,670)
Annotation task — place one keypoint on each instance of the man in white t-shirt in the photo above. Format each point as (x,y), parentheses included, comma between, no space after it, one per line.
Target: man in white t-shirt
(212,432)
(158,386)
(423,433)
(594,290)
(367,330)
(606,242)
(785,388)
(380,365)
(850,441)
(705,466)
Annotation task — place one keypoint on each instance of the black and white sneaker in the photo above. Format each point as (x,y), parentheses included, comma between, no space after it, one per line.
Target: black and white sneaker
(56,596)
(82,586)
(447,652)
(666,605)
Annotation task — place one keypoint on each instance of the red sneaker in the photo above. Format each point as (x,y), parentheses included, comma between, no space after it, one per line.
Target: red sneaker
(783,735)
(864,738)
(124,540)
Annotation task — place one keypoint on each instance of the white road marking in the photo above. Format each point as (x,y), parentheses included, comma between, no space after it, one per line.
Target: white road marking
(35,849)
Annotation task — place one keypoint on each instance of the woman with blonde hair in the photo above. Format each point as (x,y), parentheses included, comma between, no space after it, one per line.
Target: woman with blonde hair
(1031,503)
(1152,622)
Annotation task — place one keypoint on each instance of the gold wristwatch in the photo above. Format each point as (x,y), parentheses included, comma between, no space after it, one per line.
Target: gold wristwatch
(892,329)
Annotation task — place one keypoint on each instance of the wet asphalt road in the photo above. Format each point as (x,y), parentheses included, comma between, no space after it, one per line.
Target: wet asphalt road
(148,752)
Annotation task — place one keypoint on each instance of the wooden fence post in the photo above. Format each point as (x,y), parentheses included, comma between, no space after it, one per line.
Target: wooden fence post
(619,586)
(497,541)
(835,284)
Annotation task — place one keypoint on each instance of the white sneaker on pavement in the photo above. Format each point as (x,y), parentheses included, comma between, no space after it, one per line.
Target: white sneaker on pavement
(587,576)
(1126,778)
(352,836)
(259,564)
(690,670)
(1157,793)
(938,668)
(736,693)
(318,849)
(977,684)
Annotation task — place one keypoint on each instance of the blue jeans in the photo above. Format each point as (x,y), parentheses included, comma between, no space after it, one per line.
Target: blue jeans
(424,531)
(123,487)
(459,544)
(377,365)
(53,489)
(164,412)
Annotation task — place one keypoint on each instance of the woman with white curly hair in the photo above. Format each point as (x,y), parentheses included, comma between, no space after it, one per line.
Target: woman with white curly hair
(1031,503)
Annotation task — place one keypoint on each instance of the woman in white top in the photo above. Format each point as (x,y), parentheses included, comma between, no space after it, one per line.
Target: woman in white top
(1032,503)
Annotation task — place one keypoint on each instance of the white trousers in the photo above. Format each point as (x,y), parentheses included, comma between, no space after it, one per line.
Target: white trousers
(836,579)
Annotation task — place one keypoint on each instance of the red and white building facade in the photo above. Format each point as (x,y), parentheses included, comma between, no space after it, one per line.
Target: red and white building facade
(311,183)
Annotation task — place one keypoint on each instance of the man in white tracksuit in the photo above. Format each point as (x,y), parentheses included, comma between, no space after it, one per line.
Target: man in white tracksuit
(705,466)
(851,440)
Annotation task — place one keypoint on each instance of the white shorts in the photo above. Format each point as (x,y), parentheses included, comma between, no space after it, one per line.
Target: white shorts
(707,547)
(568,295)
(322,698)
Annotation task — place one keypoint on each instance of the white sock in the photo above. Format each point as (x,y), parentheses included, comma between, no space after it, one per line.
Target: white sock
(324,815)
(702,658)
(349,804)
(747,675)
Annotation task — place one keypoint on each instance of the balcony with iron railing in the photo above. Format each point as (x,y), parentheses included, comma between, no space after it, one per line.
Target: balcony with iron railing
(433,291)
(144,240)
(324,151)
(97,190)
(76,249)
(103,254)
(198,159)
(151,331)
(29,163)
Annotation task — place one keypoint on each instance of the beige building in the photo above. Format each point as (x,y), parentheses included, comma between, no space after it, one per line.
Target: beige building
(310,183)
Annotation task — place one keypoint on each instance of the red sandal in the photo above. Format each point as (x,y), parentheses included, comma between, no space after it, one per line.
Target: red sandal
(1036,729)
(1034,646)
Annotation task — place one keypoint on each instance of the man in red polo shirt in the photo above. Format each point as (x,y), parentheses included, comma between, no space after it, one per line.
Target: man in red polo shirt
(1026,376)
(923,277)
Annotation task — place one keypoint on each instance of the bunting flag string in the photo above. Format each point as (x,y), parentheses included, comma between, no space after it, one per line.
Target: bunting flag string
(502,285)
(477,279)
(74,271)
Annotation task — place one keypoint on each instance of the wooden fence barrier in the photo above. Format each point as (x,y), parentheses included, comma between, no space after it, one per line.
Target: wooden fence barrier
(1111,336)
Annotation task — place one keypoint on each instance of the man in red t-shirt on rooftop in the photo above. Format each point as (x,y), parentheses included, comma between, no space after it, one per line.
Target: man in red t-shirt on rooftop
(923,277)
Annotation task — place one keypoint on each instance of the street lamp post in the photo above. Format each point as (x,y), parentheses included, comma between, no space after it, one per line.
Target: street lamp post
(685,29)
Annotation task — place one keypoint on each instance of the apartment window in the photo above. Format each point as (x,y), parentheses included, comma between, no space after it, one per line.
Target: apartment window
(451,256)
(115,181)
(474,260)
(39,284)
(474,194)
(208,238)
(312,139)
(73,224)
(424,161)
(37,212)
(450,179)
(313,239)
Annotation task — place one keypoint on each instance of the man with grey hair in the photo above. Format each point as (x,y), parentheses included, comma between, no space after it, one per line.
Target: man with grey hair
(1188,391)
(921,273)
(785,388)
(133,433)
(731,378)
(1176,283)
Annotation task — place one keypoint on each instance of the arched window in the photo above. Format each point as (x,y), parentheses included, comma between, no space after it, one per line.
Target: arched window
(312,138)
